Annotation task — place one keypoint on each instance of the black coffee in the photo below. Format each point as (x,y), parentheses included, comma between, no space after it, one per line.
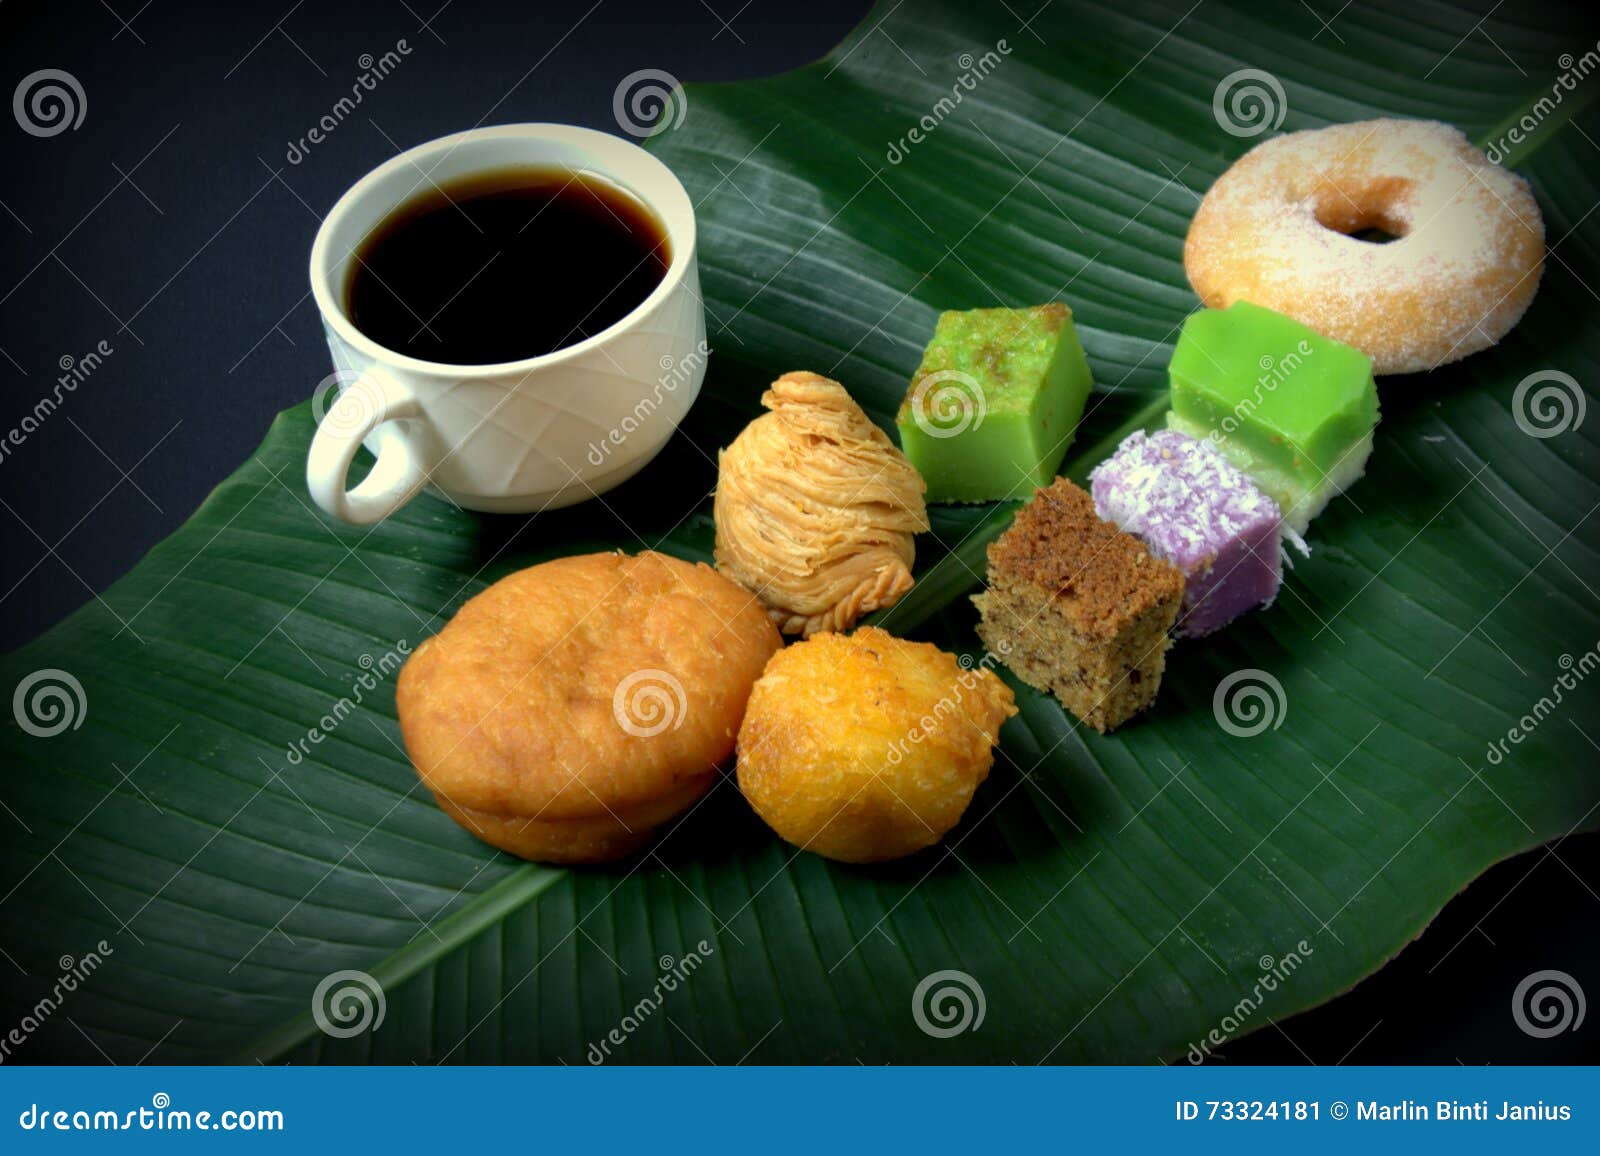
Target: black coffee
(504,265)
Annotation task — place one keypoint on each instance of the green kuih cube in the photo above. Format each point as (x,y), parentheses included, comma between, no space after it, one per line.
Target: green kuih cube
(995,402)
(1294,409)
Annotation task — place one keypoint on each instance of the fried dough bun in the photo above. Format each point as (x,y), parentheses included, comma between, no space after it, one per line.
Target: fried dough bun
(865,747)
(816,508)
(573,707)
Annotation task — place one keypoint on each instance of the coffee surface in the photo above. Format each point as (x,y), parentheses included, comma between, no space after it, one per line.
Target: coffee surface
(504,265)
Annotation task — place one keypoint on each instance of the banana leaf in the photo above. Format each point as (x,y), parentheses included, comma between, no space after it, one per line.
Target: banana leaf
(208,800)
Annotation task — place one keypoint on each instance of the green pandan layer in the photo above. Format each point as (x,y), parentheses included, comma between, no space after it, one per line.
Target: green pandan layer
(995,403)
(1292,408)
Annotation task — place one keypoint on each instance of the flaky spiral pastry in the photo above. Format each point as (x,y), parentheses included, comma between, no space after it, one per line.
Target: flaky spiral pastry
(816,509)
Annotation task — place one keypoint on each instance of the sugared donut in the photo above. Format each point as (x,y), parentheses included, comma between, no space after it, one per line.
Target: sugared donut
(1276,229)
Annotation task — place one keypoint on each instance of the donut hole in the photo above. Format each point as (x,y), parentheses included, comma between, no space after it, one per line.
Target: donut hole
(1376,212)
(1374,236)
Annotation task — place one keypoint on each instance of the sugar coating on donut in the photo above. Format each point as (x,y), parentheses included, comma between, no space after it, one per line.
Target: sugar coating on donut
(1469,249)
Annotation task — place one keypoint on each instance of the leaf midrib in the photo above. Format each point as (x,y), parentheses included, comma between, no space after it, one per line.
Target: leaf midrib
(521,886)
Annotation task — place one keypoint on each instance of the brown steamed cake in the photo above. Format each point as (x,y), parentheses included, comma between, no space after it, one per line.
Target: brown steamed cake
(572,707)
(1079,608)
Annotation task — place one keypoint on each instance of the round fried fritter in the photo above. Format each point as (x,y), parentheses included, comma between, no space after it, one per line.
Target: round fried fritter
(865,747)
(572,707)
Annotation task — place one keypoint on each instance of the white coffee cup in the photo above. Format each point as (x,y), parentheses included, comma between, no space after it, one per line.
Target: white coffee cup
(518,436)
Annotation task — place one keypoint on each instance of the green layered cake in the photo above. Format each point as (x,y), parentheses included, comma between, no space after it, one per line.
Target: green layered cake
(994,404)
(1294,409)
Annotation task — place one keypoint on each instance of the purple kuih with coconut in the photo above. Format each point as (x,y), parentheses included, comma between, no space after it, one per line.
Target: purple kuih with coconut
(1194,508)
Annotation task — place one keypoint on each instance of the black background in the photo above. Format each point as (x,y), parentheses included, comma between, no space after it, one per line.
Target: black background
(172,226)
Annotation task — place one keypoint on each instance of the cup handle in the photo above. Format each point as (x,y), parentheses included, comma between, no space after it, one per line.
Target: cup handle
(361,407)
